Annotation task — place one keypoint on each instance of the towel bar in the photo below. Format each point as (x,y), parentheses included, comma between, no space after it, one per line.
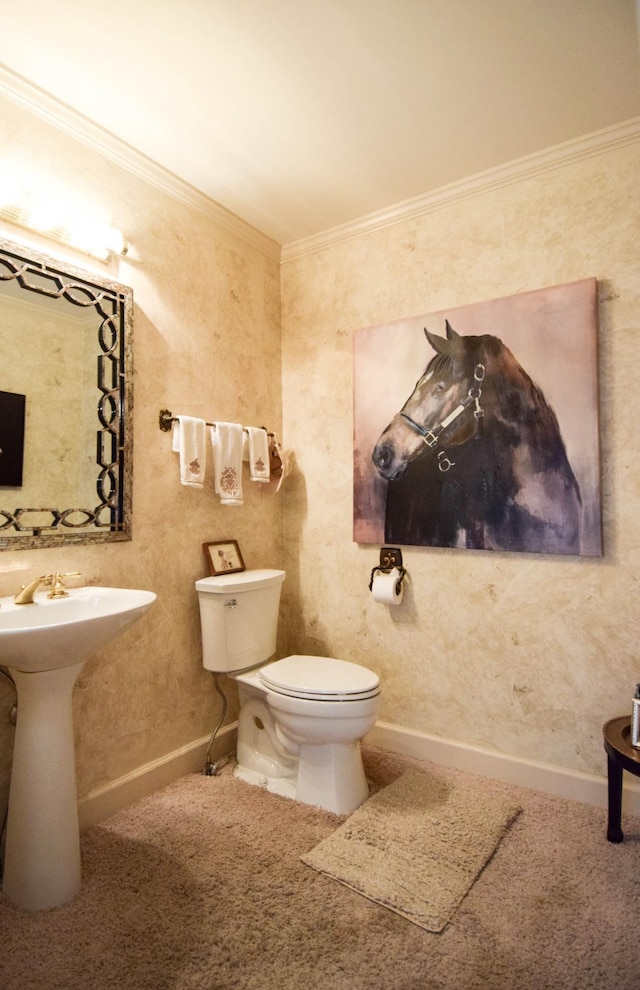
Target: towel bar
(166,418)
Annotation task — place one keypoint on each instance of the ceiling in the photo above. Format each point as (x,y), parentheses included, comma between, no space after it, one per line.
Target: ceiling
(302,115)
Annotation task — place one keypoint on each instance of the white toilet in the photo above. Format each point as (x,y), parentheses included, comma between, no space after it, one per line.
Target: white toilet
(301,718)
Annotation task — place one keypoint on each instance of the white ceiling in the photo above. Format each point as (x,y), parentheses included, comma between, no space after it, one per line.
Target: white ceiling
(301,115)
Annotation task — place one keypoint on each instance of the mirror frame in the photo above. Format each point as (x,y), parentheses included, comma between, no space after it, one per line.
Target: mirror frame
(113,304)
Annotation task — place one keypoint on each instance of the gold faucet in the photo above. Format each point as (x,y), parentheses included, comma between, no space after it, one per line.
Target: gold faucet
(57,584)
(53,581)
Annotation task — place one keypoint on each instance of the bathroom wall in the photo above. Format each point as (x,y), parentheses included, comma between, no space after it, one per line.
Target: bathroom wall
(207,343)
(521,654)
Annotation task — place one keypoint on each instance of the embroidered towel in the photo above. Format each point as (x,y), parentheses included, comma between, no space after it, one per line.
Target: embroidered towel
(258,453)
(189,442)
(226,442)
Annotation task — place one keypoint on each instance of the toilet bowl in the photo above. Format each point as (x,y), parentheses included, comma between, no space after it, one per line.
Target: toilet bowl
(301,718)
(300,729)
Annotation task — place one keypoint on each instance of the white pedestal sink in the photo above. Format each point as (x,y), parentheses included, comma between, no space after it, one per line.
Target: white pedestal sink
(44,645)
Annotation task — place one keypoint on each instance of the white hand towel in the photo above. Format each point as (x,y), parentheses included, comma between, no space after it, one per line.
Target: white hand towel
(258,454)
(189,442)
(226,442)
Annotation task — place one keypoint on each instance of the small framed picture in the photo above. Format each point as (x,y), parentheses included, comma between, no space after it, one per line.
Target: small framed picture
(223,557)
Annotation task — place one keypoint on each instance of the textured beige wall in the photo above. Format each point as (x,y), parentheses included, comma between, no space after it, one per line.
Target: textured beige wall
(523,654)
(519,653)
(207,343)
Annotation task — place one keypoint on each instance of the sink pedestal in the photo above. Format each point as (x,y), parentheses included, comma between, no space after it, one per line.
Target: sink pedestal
(42,853)
(45,644)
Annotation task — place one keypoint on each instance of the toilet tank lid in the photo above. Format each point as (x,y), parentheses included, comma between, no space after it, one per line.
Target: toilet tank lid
(223,584)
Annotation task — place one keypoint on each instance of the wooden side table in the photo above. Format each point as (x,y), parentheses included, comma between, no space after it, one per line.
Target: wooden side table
(620,756)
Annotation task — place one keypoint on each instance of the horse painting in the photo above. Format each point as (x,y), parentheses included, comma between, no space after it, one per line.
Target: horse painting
(475,457)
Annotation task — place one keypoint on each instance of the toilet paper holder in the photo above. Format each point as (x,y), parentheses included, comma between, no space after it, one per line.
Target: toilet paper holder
(390,557)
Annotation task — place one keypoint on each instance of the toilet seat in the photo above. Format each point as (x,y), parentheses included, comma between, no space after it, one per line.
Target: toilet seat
(320,679)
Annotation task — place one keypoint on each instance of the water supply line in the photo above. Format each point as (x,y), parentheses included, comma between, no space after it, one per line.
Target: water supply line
(211,769)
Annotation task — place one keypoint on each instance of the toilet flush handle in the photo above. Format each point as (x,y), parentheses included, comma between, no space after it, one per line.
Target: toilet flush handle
(232,603)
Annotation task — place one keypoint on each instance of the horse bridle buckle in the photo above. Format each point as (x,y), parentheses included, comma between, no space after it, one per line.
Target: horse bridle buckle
(475,392)
(430,438)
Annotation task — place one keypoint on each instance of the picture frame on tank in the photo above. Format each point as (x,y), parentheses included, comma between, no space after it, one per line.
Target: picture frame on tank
(223,557)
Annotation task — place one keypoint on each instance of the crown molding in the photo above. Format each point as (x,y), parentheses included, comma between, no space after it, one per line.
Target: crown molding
(559,156)
(18,90)
(38,102)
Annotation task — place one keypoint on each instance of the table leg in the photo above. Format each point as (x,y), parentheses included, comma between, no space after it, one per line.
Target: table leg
(614,831)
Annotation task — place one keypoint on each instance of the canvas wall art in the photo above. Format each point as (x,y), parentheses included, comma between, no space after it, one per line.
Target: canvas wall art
(477,427)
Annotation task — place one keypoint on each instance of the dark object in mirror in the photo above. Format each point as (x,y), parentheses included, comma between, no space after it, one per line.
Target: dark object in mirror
(66,341)
(12,408)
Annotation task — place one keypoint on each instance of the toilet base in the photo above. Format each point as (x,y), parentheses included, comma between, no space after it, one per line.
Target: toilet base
(284,786)
(331,776)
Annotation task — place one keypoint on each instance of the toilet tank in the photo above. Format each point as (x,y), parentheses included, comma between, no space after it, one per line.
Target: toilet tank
(239,618)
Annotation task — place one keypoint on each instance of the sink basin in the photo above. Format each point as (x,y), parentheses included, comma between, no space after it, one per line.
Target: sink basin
(53,633)
(44,645)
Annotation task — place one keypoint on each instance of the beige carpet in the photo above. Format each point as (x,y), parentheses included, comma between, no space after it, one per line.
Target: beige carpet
(201,887)
(416,846)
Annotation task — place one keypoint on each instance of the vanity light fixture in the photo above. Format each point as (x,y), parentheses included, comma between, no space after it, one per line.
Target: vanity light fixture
(52,216)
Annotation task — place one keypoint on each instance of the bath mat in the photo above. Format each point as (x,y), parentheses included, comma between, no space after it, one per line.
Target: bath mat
(416,847)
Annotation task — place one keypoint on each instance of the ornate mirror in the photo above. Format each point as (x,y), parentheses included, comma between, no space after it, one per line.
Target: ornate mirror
(66,381)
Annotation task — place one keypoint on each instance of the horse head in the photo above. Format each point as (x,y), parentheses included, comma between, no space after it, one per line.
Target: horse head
(510,487)
(444,399)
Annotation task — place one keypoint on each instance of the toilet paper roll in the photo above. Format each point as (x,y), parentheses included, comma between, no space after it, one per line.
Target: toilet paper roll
(387,587)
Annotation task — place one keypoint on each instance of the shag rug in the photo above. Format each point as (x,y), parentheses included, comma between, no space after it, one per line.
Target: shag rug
(200,886)
(416,846)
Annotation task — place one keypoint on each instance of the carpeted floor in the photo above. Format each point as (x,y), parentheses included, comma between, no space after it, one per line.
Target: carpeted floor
(201,887)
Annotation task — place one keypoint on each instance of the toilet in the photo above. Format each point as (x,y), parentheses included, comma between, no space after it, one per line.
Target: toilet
(301,718)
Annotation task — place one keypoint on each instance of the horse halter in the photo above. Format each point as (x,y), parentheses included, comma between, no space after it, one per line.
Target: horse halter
(431,437)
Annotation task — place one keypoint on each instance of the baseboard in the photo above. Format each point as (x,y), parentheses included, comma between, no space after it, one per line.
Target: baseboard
(559,781)
(102,802)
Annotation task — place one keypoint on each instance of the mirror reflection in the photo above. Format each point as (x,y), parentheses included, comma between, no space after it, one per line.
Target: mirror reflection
(65,403)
